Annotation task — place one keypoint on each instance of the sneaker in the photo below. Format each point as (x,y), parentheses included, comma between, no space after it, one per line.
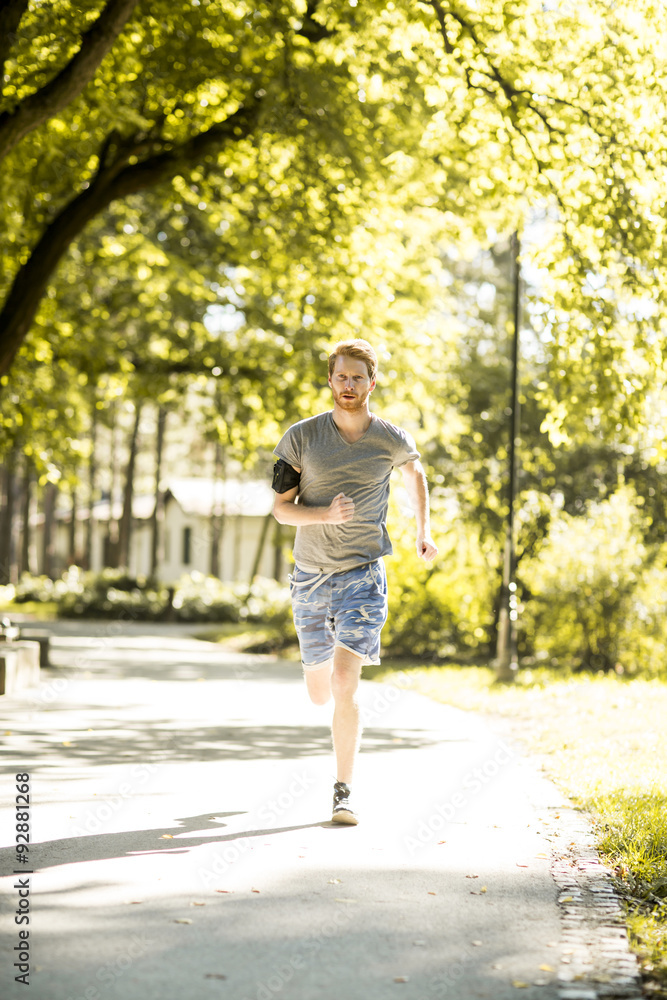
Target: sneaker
(342,811)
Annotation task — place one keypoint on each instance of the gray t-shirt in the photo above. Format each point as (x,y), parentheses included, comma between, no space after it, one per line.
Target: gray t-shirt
(330,465)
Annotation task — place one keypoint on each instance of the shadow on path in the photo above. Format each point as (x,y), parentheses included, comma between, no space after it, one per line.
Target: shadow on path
(161,840)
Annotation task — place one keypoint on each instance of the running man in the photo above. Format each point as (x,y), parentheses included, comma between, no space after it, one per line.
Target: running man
(332,482)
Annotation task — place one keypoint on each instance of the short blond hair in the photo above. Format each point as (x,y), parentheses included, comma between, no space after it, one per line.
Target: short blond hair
(359,349)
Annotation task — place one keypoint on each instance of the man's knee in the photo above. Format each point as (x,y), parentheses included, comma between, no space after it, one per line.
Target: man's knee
(345,679)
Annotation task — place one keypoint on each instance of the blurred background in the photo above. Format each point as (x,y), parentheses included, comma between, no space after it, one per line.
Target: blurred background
(199,197)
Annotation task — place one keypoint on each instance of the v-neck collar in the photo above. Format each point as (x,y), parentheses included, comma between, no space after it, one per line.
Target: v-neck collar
(344,439)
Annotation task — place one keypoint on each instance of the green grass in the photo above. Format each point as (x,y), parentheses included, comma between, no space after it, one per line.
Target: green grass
(604,740)
(44,610)
(250,639)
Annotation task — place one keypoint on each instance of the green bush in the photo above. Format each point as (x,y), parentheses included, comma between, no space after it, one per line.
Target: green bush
(202,598)
(597,595)
(37,588)
(111,593)
(114,593)
(439,609)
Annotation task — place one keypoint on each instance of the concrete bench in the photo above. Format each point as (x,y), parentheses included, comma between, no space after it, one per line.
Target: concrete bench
(43,638)
(19,666)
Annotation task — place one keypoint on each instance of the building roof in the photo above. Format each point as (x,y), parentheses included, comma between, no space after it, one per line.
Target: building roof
(195,495)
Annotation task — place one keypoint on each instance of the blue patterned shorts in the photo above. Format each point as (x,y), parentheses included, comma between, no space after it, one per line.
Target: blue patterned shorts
(345,609)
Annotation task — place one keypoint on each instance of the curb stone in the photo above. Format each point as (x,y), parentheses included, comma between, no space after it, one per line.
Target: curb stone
(596,961)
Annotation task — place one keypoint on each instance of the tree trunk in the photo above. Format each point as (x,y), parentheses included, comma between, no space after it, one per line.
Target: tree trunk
(125,527)
(26,534)
(217,513)
(92,476)
(260,546)
(157,516)
(7,519)
(66,85)
(116,178)
(49,537)
(113,526)
(72,530)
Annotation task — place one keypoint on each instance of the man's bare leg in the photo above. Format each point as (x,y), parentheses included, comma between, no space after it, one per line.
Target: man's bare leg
(318,683)
(346,726)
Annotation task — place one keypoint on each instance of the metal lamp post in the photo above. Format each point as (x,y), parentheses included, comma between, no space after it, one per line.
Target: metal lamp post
(506,649)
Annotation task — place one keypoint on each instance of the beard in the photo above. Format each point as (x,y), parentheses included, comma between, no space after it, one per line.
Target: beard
(357,402)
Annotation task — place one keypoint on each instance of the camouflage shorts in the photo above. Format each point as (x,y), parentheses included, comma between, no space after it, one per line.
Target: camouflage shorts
(341,609)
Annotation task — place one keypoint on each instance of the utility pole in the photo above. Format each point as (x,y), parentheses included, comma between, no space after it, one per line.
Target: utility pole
(506,651)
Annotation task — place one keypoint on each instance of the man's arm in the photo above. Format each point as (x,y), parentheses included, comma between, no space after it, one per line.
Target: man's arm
(287,511)
(414,478)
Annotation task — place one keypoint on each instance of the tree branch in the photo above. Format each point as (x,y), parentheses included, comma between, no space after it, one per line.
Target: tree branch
(115,179)
(310,28)
(11,12)
(511,92)
(70,81)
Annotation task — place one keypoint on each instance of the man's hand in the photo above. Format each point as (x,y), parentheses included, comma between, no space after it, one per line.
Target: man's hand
(340,509)
(426,548)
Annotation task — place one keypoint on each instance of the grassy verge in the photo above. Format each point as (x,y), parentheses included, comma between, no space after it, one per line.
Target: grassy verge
(604,740)
(44,610)
(250,639)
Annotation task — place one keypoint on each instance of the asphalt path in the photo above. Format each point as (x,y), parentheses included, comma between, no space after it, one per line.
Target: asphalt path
(181,842)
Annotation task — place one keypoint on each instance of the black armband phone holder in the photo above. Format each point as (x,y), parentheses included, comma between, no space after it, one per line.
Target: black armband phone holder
(284,477)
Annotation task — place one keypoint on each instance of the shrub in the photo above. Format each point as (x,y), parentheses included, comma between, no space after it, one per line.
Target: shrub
(597,595)
(206,599)
(40,589)
(111,593)
(439,609)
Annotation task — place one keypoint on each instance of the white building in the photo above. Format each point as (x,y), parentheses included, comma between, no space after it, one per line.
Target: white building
(249,535)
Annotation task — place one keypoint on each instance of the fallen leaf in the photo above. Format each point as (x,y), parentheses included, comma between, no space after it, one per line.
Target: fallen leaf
(541,855)
(566,899)
(8,732)
(66,743)
(401,979)
(483,889)
(333,881)
(197,904)
(547,968)
(442,842)
(521,864)
(182,920)
(167,836)
(254,890)
(432,893)
(519,985)
(224,890)
(472,876)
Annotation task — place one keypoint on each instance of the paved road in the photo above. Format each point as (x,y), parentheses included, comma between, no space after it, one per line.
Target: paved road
(182,844)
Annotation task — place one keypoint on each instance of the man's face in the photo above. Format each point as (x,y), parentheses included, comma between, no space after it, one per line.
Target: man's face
(350,383)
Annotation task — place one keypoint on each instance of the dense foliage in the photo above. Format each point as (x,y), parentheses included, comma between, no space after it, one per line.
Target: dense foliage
(199,195)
